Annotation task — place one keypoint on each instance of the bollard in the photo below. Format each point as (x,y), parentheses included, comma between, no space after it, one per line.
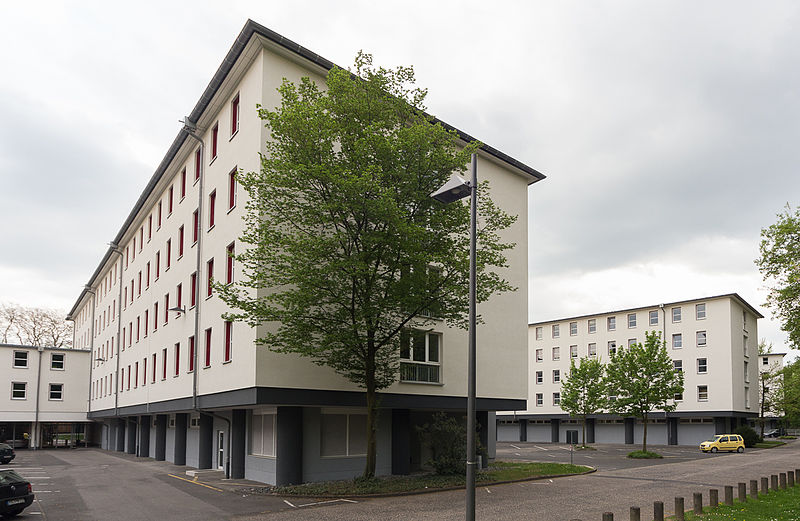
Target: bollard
(608,516)
(636,514)
(783,480)
(679,513)
(658,511)
(697,507)
(742,492)
(797,475)
(713,498)
(754,489)
(728,494)
(773,482)
(764,485)
(790,475)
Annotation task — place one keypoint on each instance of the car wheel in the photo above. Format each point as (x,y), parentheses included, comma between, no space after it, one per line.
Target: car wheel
(713,449)
(740,450)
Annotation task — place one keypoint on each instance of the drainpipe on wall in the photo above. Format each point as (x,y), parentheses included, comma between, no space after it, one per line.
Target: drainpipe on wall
(118,251)
(91,292)
(36,434)
(190,128)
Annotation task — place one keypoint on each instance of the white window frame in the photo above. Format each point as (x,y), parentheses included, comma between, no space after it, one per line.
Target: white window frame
(631,341)
(556,399)
(539,333)
(676,315)
(592,349)
(612,345)
(700,311)
(555,331)
(539,399)
(410,369)
(611,323)
(573,351)
(63,361)
(702,365)
(700,397)
(573,329)
(539,377)
(653,314)
(60,391)
(556,376)
(556,353)
(264,416)
(631,320)
(677,366)
(677,341)
(14,360)
(704,336)
(24,391)
(540,355)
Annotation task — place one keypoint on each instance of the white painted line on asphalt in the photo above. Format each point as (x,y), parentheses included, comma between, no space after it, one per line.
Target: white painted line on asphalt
(540,448)
(287,502)
(517,454)
(518,448)
(590,457)
(327,502)
(552,455)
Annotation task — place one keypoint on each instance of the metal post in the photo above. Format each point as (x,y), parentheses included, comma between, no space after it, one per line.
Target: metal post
(473,217)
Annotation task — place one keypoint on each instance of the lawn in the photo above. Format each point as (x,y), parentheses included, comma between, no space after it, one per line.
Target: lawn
(498,472)
(767,444)
(777,505)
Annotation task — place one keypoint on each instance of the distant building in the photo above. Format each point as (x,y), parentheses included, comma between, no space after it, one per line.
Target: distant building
(46,401)
(769,362)
(713,341)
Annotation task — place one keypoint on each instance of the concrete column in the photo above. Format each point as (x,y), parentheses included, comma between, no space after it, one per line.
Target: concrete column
(523,430)
(205,443)
(289,446)
(181,426)
(401,441)
(554,425)
(238,442)
(590,422)
(672,431)
(119,445)
(630,423)
(482,417)
(130,429)
(144,436)
(161,437)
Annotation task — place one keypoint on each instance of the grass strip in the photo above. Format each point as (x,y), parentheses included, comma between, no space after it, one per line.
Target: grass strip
(769,444)
(775,506)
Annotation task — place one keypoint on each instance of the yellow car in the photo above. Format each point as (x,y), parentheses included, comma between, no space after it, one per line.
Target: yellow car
(729,442)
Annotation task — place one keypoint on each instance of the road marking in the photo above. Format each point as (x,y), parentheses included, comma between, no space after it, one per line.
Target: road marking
(590,457)
(552,455)
(287,502)
(195,482)
(488,491)
(517,454)
(518,448)
(327,502)
(540,448)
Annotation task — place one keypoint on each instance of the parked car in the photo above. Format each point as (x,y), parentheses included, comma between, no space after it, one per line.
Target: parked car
(729,442)
(772,433)
(6,453)
(16,494)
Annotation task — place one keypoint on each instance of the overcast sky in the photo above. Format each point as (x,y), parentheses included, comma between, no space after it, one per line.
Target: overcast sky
(669,132)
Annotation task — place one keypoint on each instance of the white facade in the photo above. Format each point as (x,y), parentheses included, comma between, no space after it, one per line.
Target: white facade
(714,341)
(143,371)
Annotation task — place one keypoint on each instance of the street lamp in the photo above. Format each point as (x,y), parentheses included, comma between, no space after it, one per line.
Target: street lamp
(456,188)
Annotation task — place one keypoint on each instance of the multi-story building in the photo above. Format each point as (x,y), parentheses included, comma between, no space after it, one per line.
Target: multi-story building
(769,363)
(713,341)
(171,379)
(46,400)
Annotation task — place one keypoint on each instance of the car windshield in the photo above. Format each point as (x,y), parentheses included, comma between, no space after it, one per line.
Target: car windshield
(5,446)
(9,476)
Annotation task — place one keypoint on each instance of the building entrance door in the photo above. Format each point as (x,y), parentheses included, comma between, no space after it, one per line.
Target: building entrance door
(221,450)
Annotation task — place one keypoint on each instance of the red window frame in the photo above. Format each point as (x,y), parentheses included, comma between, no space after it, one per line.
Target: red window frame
(147,272)
(140,284)
(155,316)
(138,327)
(154,369)
(197,164)
(177,358)
(164,364)
(183,183)
(166,308)
(146,321)
(196,226)
(214,134)
(136,378)
(129,377)
(122,380)
(232,189)
(169,254)
(150,227)
(144,371)
(210,278)
(208,348)
(193,290)
(212,204)
(191,354)
(158,222)
(123,339)
(169,201)
(229,263)
(228,340)
(235,115)
(180,242)
(178,295)
(141,237)
(133,250)
(158,264)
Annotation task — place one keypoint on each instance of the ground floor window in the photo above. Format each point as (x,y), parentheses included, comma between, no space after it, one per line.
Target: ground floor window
(262,433)
(343,434)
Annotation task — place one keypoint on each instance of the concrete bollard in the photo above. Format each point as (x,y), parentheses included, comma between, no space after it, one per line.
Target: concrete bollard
(754,489)
(742,492)
(608,516)
(697,506)
(728,494)
(765,485)
(713,498)
(773,482)
(790,476)
(797,475)
(658,511)
(783,480)
(636,514)
(679,513)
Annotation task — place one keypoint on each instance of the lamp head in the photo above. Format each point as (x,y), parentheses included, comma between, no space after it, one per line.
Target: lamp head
(454,189)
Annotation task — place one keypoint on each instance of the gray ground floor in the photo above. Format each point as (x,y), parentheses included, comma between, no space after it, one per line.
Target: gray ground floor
(661,430)
(23,435)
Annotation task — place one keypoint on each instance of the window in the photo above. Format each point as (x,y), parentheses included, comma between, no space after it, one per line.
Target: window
(177,358)
(207,361)
(193,290)
(158,264)
(653,316)
(676,315)
(747,397)
(593,349)
(631,342)
(611,323)
(147,275)
(144,371)
(556,398)
(155,316)
(765,361)
(700,311)
(592,325)
(235,115)
(746,373)
(678,397)
(169,254)
(129,378)
(556,376)
(744,320)
(179,296)
(191,354)
(180,242)
(19,390)
(141,238)
(539,377)
(573,328)
(229,264)
(183,183)
(122,380)
(702,365)
(139,292)
(228,340)
(57,361)
(677,341)
(631,320)
(612,347)
(539,355)
(166,309)
(164,364)
(539,399)
(262,434)
(232,189)
(677,366)
(195,226)
(214,135)
(343,435)
(702,393)
(197,164)
(744,345)
(539,333)
(136,376)
(420,356)
(555,331)
(149,227)
(701,339)
(573,351)
(154,369)
(169,201)
(138,328)
(158,220)
(210,278)
(556,353)
(20,359)
(212,203)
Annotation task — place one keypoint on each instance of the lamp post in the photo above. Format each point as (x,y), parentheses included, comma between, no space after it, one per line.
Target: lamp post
(456,188)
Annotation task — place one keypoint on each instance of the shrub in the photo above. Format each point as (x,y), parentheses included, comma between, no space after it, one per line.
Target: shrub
(749,435)
(447,438)
(640,454)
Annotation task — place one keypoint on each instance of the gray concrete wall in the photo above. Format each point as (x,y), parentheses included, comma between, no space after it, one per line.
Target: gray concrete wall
(609,433)
(152,437)
(192,444)
(694,433)
(508,432)
(170,443)
(539,432)
(656,433)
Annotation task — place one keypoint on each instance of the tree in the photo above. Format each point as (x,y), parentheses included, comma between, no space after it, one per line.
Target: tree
(779,264)
(768,383)
(788,394)
(346,253)
(34,326)
(643,379)
(582,393)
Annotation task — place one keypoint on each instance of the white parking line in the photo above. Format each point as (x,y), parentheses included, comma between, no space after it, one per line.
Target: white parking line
(540,448)
(518,448)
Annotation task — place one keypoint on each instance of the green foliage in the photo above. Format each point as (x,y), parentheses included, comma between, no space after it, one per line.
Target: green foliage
(643,379)
(643,454)
(447,439)
(582,393)
(748,434)
(779,264)
(341,235)
(788,395)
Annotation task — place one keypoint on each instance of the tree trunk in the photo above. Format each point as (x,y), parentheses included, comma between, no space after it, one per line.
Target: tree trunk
(372,409)
(583,424)
(644,437)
